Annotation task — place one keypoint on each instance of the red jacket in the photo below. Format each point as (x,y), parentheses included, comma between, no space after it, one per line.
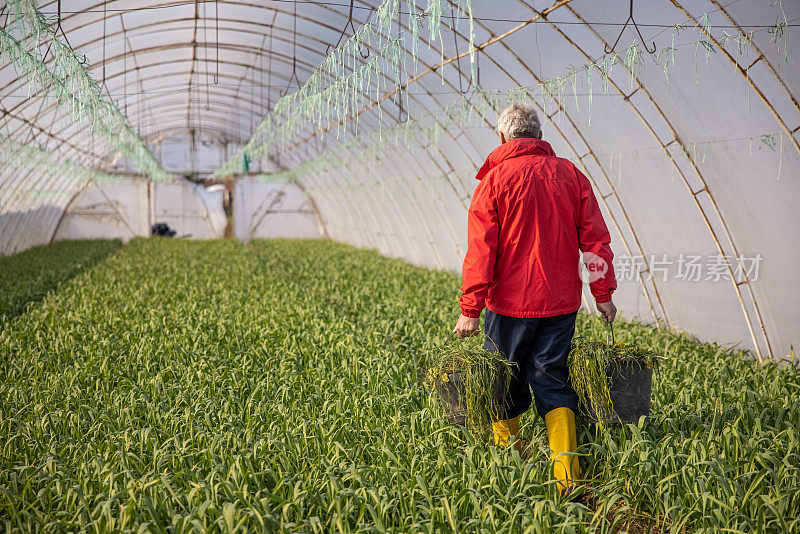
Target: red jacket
(530,214)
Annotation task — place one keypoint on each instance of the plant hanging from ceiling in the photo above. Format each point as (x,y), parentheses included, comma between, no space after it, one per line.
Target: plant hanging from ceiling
(64,77)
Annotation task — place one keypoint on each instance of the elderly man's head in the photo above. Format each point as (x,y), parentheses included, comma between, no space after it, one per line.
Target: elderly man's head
(518,120)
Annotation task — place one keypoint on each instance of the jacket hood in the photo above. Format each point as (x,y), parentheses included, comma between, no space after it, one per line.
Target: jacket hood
(523,146)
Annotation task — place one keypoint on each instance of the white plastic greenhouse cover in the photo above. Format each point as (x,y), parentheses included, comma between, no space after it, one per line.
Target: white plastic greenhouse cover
(693,151)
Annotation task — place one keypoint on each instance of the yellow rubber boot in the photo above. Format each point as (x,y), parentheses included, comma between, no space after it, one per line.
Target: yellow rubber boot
(504,429)
(563,439)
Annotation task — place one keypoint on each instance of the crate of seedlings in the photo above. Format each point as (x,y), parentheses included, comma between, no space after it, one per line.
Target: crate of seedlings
(613,380)
(470,382)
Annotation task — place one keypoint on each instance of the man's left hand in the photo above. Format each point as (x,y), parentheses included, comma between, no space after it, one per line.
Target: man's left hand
(467,326)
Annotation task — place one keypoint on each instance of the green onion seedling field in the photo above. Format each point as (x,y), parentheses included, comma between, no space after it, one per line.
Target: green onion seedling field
(217,386)
(30,275)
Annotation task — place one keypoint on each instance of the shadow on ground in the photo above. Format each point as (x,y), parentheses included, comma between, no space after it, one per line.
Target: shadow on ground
(28,277)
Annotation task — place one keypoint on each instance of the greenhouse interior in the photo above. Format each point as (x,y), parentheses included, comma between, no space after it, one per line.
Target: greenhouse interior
(236,236)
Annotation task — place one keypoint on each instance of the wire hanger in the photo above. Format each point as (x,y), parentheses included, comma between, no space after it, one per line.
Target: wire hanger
(630,19)
(58,27)
(461,88)
(294,56)
(344,30)
(402,113)
(81,59)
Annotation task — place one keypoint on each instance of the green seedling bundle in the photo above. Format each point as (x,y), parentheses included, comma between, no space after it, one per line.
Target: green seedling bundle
(484,375)
(591,365)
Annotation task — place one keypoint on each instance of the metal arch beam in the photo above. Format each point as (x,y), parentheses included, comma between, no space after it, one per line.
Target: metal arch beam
(221,134)
(287,12)
(170,117)
(761,55)
(84,78)
(217,128)
(217,104)
(55,107)
(161,48)
(140,51)
(134,29)
(122,73)
(172,21)
(194,19)
(743,72)
(433,98)
(690,191)
(9,116)
(477,48)
(258,51)
(148,50)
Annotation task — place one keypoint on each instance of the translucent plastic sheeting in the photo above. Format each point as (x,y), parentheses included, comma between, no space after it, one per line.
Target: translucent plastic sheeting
(118,210)
(692,158)
(130,206)
(264,209)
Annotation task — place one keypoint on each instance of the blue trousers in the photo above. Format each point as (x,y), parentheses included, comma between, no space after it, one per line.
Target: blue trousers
(540,348)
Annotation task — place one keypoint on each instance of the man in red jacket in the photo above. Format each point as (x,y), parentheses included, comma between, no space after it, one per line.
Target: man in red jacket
(531,215)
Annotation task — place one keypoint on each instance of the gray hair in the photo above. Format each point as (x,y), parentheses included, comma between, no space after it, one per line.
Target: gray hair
(519,120)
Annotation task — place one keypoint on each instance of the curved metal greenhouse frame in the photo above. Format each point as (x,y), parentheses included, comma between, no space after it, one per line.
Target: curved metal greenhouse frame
(693,150)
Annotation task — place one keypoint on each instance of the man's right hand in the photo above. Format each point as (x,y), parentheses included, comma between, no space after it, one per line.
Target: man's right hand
(607,310)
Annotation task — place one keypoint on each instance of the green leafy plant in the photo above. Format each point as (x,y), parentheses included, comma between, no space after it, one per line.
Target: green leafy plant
(215,386)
